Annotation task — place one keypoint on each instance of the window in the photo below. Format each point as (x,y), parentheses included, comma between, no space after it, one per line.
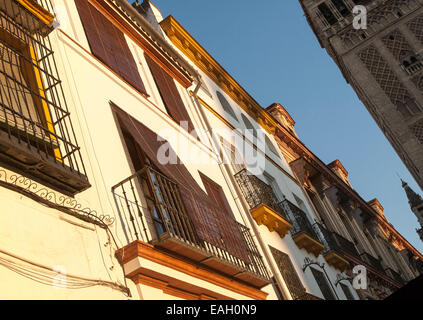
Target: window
(226,105)
(275,187)
(270,146)
(408,108)
(327,14)
(249,126)
(20,89)
(170,95)
(108,44)
(342,8)
(323,284)
(235,158)
(300,203)
(216,193)
(39,140)
(347,291)
(362,2)
(289,274)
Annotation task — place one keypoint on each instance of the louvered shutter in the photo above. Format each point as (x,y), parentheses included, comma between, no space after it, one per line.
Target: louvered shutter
(108,44)
(169,93)
(212,225)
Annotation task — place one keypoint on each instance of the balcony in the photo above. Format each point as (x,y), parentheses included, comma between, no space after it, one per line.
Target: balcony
(264,205)
(332,253)
(412,66)
(346,245)
(152,211)
(37,138)
(395,276)
(372,261)
(302,231)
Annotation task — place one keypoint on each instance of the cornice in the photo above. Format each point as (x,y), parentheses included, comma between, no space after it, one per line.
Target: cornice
(134,25)
(204,61)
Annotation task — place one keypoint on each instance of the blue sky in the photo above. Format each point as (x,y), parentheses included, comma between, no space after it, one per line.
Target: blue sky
(271,51)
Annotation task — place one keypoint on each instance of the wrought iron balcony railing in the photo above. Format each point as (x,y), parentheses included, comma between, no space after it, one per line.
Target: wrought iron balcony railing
(372,261)
(332,252)
(256,192)
(151,210)
(327,237)
(414,67)
(298,218)
(395,276)
(346,245)
(36,132)
(265,207)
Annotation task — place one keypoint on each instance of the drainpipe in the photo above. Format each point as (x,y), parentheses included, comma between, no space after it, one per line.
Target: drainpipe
(245,208)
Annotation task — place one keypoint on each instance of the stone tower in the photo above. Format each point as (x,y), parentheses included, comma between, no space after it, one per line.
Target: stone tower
(383,63)
(416,205)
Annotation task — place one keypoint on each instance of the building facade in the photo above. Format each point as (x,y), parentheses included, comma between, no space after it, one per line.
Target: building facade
(415,201)
(383,63)
(133,166)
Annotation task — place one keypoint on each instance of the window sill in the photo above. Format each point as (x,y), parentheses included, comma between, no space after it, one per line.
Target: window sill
(40,166)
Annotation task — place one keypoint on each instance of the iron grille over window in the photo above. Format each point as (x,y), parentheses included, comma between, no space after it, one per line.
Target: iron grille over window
(36,133)
(287,269)
(299,219)
(323,284)
(347,292)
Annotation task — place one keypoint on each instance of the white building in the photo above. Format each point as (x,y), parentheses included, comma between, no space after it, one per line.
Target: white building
(95,206)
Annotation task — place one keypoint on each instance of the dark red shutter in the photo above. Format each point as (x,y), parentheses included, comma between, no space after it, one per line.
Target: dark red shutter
(211,223)
(169,93)
(226,223)
(215,192)
(108,44)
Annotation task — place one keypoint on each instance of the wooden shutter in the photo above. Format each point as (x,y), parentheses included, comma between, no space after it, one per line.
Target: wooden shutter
(169,93)
(216,193)
(224,217)
(108,44)
(211,224)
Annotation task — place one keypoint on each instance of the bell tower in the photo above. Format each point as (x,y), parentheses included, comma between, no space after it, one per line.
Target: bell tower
(416,205)
(382,60)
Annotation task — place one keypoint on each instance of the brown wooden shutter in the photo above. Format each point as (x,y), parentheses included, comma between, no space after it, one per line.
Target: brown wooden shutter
(225,219)
(169,93)
(212,225)
(215,192)
(108,44)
